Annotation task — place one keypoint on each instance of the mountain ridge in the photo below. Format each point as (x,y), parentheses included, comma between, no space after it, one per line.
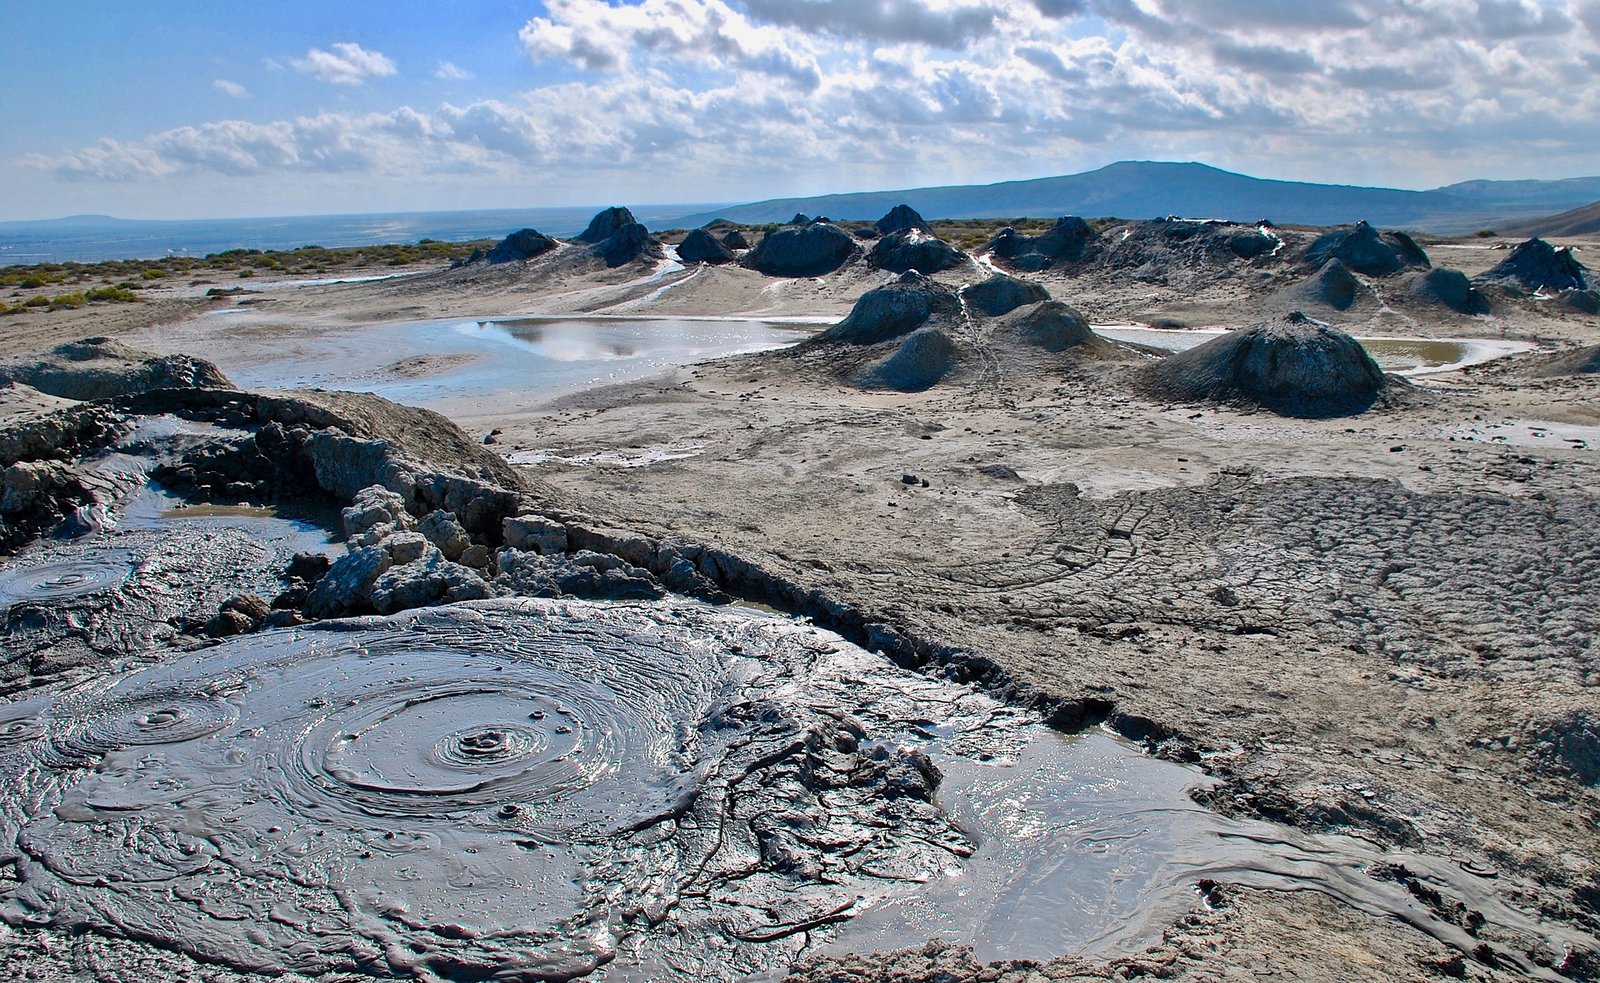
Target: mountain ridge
(1146,189)
(1584,220)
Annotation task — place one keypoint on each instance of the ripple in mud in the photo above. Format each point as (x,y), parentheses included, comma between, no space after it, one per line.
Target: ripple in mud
(516,788)
(48,582)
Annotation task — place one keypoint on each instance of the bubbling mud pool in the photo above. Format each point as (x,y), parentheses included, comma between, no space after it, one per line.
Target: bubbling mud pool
(77,577)
(523,789)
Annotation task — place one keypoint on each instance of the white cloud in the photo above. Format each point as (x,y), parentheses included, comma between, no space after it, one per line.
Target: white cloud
(683,96)
(451,72)
(597,36)
(231,88)
(347,64)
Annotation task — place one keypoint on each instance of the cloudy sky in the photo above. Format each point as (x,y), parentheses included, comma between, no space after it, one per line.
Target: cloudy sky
(166,109)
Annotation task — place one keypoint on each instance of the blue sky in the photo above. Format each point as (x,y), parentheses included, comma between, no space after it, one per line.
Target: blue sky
(162,109)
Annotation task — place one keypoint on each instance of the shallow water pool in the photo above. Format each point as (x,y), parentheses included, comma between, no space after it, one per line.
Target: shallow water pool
(464,367)
(1401,356)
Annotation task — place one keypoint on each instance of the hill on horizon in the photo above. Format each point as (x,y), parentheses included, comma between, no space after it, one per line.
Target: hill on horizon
(1148,189)
(1576,222)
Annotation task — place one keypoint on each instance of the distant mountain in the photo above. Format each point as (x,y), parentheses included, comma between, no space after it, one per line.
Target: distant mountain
(1578,222)
(1147,189)
(1547,196)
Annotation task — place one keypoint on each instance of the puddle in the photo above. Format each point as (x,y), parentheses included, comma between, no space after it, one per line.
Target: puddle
(1401,356)
(1528,433)
(284,529)
(497,366)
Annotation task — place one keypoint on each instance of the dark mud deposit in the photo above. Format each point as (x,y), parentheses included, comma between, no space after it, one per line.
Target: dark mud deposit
(535,789)
(519,788)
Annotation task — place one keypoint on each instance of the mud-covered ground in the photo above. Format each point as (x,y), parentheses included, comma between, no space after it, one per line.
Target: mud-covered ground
(1383,626)
(1374,625)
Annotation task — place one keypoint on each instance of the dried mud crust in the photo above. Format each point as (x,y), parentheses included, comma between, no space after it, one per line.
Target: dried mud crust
(1357,626)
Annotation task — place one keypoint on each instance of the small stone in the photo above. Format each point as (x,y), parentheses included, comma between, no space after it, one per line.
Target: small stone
(536,533)
(405,547)
(446,532)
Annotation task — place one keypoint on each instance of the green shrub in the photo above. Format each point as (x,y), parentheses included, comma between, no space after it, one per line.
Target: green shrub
(152,274)
(115,294)
(68,300)
(37,301)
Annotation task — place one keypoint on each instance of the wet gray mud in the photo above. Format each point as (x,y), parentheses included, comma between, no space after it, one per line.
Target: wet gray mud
(533,789)
(150,571)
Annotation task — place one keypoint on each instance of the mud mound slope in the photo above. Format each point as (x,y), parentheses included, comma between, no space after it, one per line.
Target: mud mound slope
(1331,287)
(1582,301)
(1291,365)
(418,433)
(892,310)
(1053,327)
(922,360)
(606,223)
(1365,250)
(813,249)
(734,239)
(521,245)
(1582,361)
(104,368)
(901,218)
(1537,265)
(1001,294)
(914,249)
(701,246)
(1070,240)
(1172,250)
(1443,287)
(629,244)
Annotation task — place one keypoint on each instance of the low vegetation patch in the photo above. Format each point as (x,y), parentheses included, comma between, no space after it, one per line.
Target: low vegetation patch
(117,280)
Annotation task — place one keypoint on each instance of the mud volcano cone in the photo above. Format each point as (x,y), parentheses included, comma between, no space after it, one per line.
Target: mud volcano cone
(1537,265)
(1052,326)
(1001,294)
(607,223)
(1332,286)
(1367,251)
(700,246)
(894,309)
(1292,365)
(926,356)
(523,244)
(802,251)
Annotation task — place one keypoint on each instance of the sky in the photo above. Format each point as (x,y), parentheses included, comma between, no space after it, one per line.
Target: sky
(166,109)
